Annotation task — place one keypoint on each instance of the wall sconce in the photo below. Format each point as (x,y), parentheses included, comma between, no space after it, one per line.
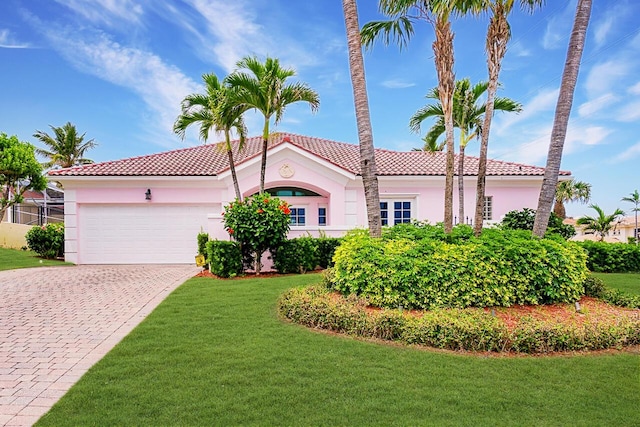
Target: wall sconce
(147,195)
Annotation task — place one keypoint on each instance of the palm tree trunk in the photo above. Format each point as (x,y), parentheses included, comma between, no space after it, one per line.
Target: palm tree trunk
(559,209)
(443,52)
(461,185)
(363,118)
(498,36)
(561,120)
(234,177)
(265,146)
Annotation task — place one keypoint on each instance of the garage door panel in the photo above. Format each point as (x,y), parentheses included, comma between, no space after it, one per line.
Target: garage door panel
(140,234)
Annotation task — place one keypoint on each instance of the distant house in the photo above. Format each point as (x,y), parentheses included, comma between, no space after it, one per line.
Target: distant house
(624,230)
(149,209)
(38,207)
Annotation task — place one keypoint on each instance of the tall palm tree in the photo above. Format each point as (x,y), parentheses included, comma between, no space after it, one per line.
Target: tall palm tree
(602,223)
(498,37)
(400,29)
(561,119)
(570,191)
(65,148)
(467,117)
(363,118)
(263,87)
(214,111)
(635,199)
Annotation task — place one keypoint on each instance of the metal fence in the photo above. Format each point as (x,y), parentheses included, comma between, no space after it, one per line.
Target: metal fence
(37,215)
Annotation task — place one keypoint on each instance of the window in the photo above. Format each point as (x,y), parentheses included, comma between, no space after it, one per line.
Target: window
(322,216)
(384,213)
(291,192)
(297,216)
(487,213)
(401,212)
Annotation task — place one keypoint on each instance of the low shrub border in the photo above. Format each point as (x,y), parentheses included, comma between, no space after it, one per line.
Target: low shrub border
(470,329)
(612,257)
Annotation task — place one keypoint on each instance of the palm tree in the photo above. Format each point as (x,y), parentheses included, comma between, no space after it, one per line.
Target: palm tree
(263,87)
(635,199)
(498,37)
(65,148)
(400,28)
(601,224)
(570,191)
(561,119)
(467,117)
(363,118)
(214,111)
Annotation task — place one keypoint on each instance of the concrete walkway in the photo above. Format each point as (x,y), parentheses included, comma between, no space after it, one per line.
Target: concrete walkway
(56,322)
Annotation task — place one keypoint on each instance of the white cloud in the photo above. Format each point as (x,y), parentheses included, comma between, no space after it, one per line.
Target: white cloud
(593,106)
(109,12)
(544,101)
(613,16)
(628,154)
(559,28)
(604,75)
(518,49)
(397,84)
(629,112)
(635,89)
(8,42)
(535,145)
(161,86)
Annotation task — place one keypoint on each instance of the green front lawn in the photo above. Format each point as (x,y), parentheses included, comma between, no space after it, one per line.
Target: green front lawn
(215,353)
(626,282)
(12,258)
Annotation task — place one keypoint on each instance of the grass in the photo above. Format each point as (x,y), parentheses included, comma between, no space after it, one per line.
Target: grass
(215,353)
(13,258)
(626,282)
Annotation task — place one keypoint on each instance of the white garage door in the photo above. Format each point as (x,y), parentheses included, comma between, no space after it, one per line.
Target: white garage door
(139,234)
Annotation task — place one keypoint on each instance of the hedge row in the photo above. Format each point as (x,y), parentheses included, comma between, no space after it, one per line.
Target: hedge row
(612,257)
(292,256)
(418,266)
(453,329)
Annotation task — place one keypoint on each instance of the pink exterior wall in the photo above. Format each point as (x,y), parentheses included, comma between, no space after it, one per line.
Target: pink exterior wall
(341,193)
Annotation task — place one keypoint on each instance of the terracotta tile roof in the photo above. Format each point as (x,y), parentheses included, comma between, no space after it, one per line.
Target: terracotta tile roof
(211,160)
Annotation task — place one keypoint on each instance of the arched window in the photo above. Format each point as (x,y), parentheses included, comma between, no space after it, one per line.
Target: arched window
(291,192)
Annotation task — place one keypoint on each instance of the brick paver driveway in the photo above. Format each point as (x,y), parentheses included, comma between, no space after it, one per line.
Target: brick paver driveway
(56,322)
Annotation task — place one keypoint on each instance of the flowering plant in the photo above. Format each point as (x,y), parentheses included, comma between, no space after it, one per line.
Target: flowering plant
(46,240)
(258,223)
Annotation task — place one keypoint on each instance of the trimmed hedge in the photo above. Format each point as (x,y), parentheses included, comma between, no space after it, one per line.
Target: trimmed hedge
(225,258)
(418,266)
(304,254)
(471,329)
(612,257)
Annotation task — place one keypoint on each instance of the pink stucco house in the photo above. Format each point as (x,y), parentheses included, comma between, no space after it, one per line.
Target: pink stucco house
(149,209)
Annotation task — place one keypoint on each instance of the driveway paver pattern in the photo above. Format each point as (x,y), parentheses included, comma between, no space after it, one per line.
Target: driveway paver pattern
(57,322)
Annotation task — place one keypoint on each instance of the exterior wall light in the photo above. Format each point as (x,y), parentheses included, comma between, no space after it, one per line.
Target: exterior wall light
(147,195)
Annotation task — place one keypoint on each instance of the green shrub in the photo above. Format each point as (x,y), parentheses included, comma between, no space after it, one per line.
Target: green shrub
(612,257)
(259,223)
(203,239)
(47,240)
(296,255)
(225,258)
(304,254)
(500,268)
(326,249)
(594,287)
(524,219)
(470,329)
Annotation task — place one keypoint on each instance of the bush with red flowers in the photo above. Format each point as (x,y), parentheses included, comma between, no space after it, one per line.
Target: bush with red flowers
(259,223)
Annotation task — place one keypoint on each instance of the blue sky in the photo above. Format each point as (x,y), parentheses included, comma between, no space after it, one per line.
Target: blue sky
(118,70)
